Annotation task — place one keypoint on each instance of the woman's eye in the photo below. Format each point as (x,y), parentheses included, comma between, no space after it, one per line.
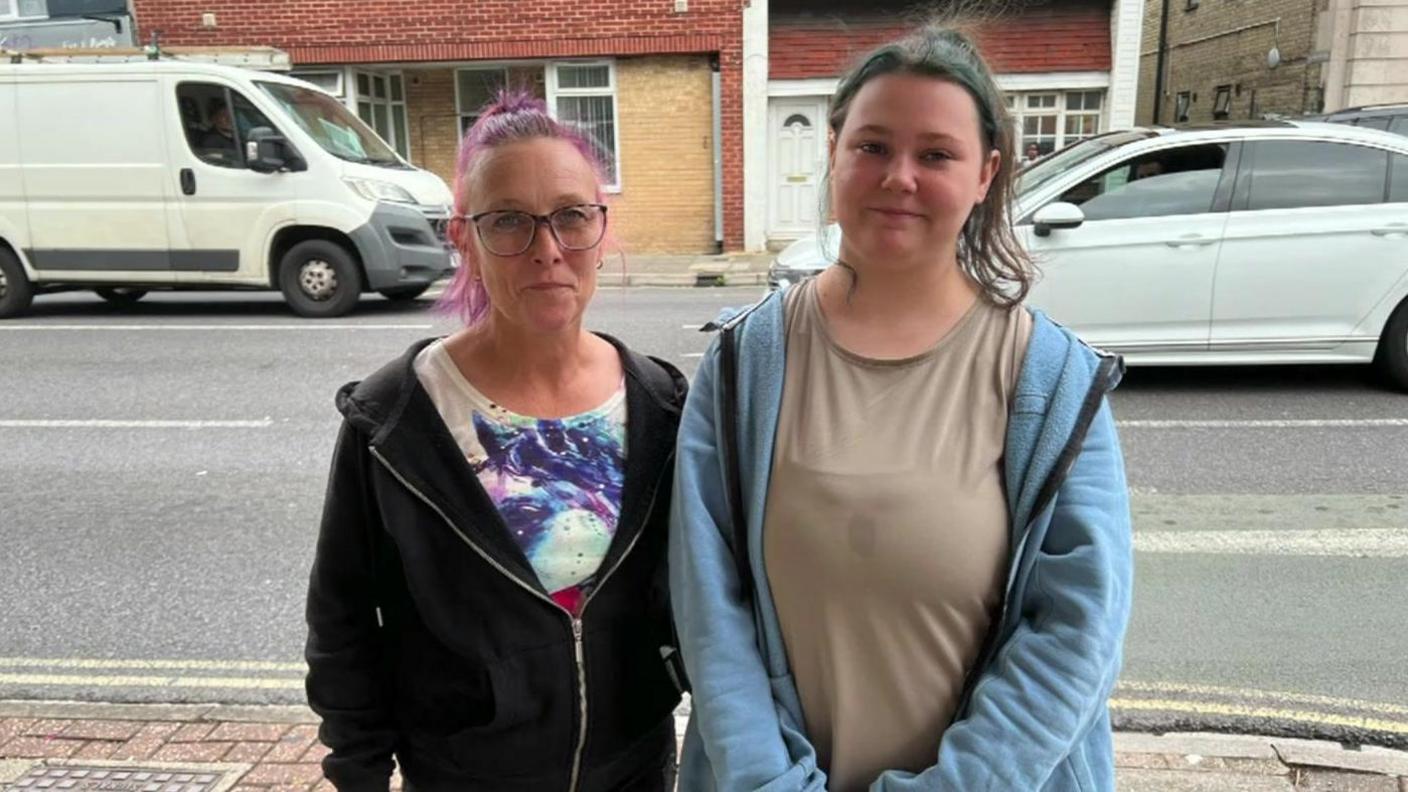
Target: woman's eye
(871,148)
(508,222)
(936,156)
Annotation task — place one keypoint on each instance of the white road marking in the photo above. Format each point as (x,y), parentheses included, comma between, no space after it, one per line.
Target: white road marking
(119,424)
(692,327)
(693,355)
(226,327)
(1348,543)
(1347,423)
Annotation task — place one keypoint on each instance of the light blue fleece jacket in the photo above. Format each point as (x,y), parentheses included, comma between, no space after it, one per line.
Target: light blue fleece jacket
(1036,718)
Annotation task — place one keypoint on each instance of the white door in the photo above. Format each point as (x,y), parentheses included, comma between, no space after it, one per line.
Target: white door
(224,210)
(1137,275)
(97,195)
(1313,248)
(797,152)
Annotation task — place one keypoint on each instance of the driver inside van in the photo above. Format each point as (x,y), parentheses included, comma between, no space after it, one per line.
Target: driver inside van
(219,142)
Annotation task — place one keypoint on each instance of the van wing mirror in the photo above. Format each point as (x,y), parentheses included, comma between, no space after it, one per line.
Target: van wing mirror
(267,151)
(1057,216)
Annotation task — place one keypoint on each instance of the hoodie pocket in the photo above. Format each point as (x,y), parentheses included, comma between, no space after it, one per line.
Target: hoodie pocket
(529,732)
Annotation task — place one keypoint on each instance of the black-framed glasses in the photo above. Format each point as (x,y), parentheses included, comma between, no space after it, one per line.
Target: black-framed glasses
(509,232)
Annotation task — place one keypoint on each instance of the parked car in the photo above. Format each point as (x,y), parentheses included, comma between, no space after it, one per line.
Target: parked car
(128,177)
(1388,118)
(1281,242)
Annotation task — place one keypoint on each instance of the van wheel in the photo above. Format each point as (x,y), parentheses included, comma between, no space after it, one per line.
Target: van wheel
(405,293)
(120,296)
(15,292)
(319,279)
(1392,357)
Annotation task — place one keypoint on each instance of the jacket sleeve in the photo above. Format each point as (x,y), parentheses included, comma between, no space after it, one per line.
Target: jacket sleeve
(1051,678)
(750,741)
(344,685)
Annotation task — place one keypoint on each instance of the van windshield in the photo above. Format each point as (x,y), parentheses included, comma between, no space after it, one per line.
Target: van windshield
(339,132)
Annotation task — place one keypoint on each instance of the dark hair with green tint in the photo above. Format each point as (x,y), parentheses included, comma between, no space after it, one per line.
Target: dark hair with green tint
(988,250)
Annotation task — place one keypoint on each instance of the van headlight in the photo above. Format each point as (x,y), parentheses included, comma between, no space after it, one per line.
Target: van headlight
(374,190)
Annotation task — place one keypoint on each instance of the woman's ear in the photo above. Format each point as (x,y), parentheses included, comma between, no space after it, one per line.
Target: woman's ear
(988,173)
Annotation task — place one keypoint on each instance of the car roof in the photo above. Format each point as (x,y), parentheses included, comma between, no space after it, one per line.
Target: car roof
(1271,130)
(1369,111)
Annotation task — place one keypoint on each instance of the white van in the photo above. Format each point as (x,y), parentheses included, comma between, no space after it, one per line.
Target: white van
(130,177)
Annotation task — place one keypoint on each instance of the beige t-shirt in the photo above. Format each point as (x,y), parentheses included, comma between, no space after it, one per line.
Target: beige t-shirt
(885,538)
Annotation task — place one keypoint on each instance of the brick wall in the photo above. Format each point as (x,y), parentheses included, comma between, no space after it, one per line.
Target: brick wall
(1225,43)
(329,32)
(1067,36)
(666,204)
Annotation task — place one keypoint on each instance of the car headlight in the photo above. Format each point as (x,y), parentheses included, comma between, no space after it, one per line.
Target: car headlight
(374,190)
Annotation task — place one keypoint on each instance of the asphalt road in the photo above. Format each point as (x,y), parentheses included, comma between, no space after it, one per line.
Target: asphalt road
(164,557)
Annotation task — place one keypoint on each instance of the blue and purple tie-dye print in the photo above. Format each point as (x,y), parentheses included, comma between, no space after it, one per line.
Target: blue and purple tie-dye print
(557,484)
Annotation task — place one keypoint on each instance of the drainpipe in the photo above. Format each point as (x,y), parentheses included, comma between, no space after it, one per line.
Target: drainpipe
(716,85)
(1159,68)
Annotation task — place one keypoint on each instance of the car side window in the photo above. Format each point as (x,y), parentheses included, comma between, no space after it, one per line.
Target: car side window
(1293,174)
(1375,122)
(1399,125)
(1175,181)
(1398,180)
(217,121)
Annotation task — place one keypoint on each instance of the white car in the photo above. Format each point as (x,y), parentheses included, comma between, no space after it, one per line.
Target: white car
(1283,242)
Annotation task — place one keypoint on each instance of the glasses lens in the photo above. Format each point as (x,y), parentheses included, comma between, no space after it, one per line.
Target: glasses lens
(506,233)
(579,227)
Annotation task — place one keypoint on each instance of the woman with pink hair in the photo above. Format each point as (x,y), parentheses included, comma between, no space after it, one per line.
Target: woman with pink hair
(489,602)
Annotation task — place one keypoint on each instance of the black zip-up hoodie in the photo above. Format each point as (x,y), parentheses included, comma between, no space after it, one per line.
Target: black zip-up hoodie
(431,638)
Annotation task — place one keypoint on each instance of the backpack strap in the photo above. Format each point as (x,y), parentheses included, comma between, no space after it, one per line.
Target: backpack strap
(733,477)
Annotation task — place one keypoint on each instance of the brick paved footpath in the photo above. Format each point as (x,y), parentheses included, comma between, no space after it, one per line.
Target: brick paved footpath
(275,749)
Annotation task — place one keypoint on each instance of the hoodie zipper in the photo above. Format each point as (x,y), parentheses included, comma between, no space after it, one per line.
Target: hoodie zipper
(1100,386)
(578,641)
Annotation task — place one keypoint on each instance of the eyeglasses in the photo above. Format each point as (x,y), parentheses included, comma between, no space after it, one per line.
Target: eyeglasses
(511,232)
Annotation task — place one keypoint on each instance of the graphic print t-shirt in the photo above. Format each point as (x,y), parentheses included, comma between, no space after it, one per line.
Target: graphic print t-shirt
(555,481)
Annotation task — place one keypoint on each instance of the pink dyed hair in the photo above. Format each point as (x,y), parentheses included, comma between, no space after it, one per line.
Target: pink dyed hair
(512,116)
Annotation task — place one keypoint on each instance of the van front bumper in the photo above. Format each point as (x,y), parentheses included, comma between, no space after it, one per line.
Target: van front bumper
(404,245)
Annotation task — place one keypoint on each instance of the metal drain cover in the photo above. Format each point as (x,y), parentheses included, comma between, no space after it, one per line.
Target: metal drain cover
(72,778)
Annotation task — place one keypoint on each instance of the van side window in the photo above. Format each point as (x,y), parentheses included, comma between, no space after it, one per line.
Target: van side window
(217,121)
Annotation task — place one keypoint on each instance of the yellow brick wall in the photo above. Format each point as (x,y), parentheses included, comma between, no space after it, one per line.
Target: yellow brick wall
(664,107)
(1205,52)
(430,111)
(666,204)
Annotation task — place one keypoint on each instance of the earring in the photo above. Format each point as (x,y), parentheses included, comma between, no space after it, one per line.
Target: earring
(601,263)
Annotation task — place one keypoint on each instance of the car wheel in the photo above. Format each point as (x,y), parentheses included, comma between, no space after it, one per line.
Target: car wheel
(15,291)
(120,296)
(405,293)
(319,279)
(1393,348)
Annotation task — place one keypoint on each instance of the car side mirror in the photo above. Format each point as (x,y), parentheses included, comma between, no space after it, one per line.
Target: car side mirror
(267,151)
(1057,216)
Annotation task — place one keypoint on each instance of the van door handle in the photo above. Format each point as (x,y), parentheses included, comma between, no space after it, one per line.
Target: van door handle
(188,181)
(1395,230)
(1190,240)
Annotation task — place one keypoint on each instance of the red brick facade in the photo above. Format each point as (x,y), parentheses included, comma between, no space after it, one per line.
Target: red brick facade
(1069,35)
(331,32)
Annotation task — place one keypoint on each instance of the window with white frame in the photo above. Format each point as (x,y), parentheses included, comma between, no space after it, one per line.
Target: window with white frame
(381,102)
(475,88)
(328,80)
(11,10)
(584,95)
(1053,120)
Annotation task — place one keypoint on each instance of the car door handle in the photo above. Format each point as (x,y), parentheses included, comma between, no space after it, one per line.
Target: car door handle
(1190,240)
(188,181)
(1395,230)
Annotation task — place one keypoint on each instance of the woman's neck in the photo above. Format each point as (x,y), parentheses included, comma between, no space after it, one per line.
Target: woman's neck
(894,312)
(543,375)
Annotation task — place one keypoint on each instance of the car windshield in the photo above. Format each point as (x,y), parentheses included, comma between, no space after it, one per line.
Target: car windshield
(336,130)
(1053,165)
